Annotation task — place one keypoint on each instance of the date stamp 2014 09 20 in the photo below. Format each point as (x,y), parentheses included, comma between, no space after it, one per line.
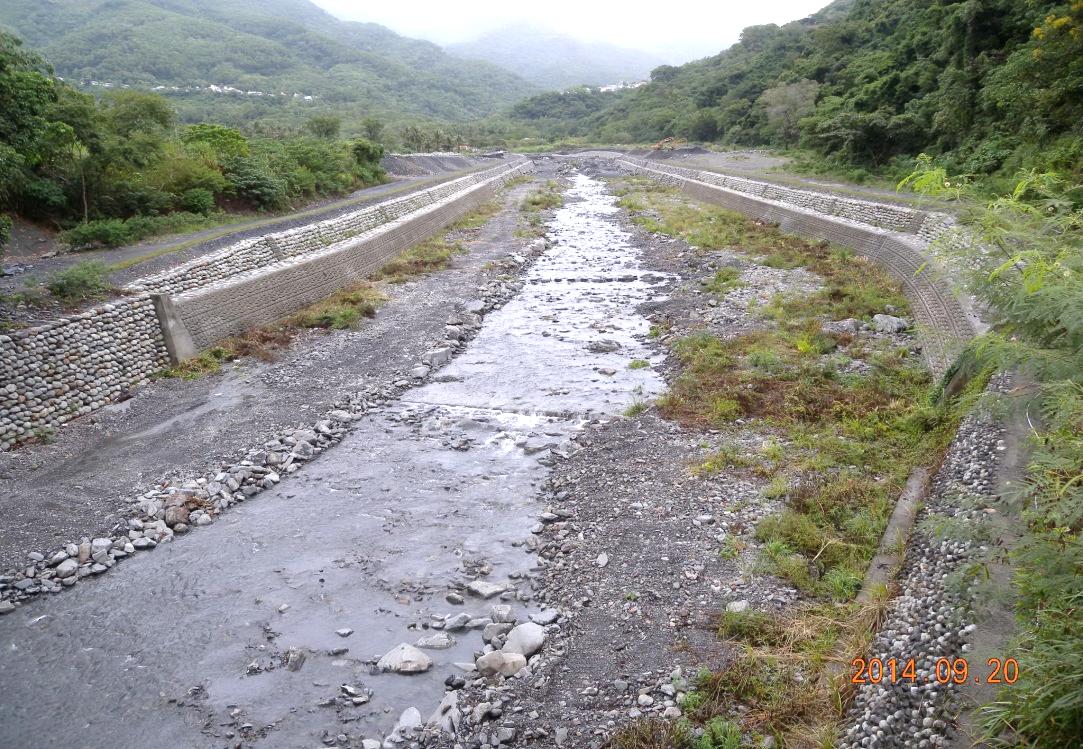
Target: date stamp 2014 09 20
(945,671)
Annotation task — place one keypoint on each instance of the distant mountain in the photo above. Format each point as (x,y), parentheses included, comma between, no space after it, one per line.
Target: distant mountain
(554,61)
(275,46)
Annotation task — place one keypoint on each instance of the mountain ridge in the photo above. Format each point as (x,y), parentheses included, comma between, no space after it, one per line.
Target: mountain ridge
(553,60)
(281,45)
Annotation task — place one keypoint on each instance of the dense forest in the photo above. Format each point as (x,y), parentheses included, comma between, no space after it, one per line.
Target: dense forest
(987,85)
(119,169)
(277,47)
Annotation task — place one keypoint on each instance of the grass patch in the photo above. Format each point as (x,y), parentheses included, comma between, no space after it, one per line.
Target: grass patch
(639,364)
(725,280)
(342,310)
(651,733)
(545,198)
(783,680)
(548,196)
(725,458)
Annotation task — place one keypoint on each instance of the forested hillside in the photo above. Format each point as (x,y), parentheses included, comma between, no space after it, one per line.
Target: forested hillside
(275,47)
(987,84)
(118,169)
(553,61)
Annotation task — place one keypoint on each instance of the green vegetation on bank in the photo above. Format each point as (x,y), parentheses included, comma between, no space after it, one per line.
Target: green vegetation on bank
(987,86)
(842,442)
(119,170)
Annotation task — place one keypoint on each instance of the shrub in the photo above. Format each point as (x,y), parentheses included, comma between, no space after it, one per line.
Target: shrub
(108,232)
(366,152)
(197,200)
(1034,287)
(253,180)
(79,282)
(226,141)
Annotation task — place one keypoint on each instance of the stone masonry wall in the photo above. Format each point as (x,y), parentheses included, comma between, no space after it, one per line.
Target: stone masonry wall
(894,237)
(63,369)
(885,215)
(54,372)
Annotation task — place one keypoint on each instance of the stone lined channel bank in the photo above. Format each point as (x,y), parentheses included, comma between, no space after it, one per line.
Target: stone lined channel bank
(55,372)
(284,631)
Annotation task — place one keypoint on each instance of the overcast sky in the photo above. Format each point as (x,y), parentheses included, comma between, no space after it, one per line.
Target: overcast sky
(679,31)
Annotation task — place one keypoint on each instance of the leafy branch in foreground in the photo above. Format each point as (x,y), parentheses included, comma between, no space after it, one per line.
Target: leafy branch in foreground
(1029,274)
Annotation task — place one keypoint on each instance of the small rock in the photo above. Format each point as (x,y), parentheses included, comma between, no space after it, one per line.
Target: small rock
(295,658)
(499,662)
(439,641)
(889,324)
(525,639)
(67,568)
(502,614)
(404,659)
(545,616)
(485,589)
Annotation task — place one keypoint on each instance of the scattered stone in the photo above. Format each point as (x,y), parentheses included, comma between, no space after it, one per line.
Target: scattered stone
(295,658)
(502,614)
(67,568)
(545,617)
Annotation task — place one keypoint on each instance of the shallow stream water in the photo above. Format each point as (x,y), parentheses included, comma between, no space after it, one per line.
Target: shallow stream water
(423,496)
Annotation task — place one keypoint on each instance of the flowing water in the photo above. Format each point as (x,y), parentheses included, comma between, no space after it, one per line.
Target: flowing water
(423,495)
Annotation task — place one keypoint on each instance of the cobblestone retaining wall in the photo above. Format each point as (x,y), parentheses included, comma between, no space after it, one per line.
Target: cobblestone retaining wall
(885,215)
(261,252)
(894,237)
(54,372)
(249,300)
